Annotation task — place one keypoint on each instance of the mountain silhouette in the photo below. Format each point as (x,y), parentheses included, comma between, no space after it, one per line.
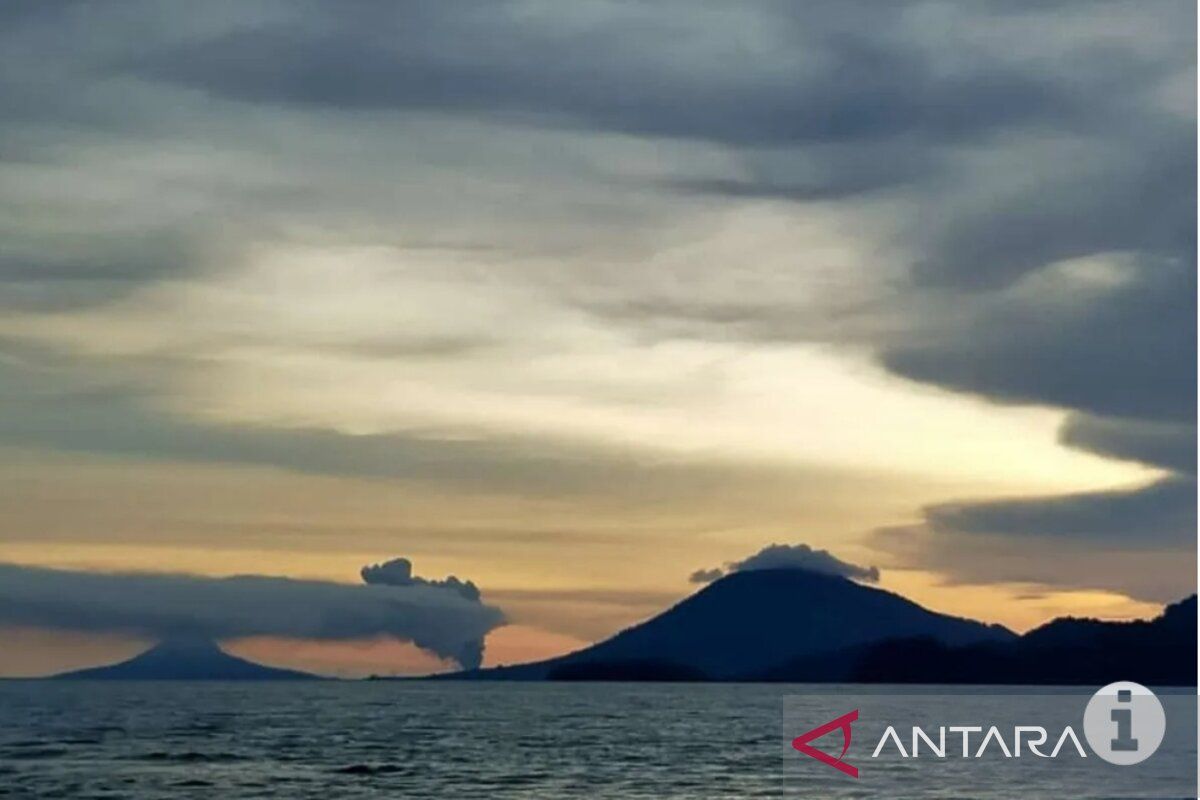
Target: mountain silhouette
(1066,651)
(189,660)
(750,621)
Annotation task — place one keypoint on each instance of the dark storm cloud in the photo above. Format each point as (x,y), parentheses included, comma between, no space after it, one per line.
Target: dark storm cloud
(1128,352)
(862,95)
(1124,191)
(646,70)
(1160,515)
(1125,363)
(160,605)
(790,556)
(1168,445)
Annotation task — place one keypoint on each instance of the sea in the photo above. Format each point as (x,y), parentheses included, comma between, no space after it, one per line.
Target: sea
(384,739)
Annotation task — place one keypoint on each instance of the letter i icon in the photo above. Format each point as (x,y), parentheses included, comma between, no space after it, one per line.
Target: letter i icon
(1124,719)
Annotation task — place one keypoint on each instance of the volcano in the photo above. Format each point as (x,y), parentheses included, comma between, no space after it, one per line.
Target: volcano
(185,660)
(751,621)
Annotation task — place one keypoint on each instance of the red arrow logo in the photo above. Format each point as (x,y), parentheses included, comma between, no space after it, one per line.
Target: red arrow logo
(801,743)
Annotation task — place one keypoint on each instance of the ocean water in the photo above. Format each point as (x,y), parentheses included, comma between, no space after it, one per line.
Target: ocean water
(412,739)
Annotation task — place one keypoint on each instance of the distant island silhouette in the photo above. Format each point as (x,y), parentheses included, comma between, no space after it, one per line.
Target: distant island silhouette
(794,625)
(191,659)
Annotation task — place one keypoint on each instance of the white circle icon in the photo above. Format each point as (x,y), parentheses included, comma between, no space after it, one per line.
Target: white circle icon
(1124,723)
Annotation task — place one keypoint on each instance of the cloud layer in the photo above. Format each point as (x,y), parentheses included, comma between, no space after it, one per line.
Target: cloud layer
(790,556)
(388,243)
(434,617)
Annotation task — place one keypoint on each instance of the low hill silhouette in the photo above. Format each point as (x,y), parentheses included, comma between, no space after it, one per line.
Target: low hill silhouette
(189,660)
(1066,651)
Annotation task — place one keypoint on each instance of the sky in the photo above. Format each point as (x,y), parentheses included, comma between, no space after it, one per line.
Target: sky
(578,301)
